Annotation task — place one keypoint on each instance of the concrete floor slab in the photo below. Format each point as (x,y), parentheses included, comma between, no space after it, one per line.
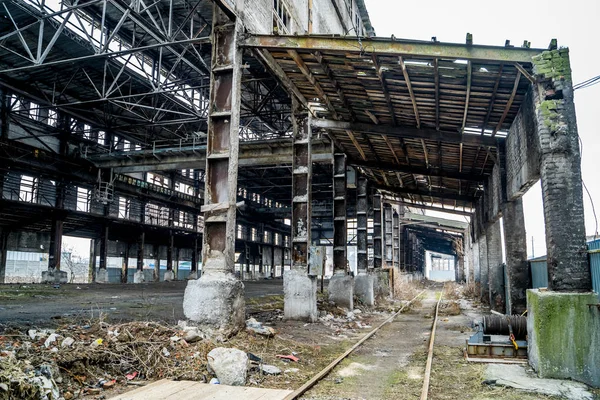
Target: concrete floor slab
(516,376)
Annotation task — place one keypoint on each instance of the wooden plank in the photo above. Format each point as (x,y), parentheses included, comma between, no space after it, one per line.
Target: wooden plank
(189,390)
(508,104)
(410,91)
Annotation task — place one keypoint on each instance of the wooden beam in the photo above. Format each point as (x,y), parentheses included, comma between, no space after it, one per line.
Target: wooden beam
(509,104)
(437,93)
(386,92)
(396,47)
(447,196)
(492,99)
(432,208)
(468,96)
(391,167)
(356,144)
(410,91)
(310,77)
(407,132)
(525,73)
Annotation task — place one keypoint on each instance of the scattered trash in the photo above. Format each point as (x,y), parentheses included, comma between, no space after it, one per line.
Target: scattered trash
(252,325)
(51,339)
(291,370)
(254,358)
(214,381)
(67,342)
(270,369)
(131,376)
(289,357)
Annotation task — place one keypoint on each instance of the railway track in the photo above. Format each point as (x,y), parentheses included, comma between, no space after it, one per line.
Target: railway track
(329,368)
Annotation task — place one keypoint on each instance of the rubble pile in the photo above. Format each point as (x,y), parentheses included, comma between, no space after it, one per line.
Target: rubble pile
(73,360)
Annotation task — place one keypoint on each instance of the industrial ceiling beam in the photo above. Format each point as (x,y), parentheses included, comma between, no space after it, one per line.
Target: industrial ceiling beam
(408,132)
(381,46)
(391,167)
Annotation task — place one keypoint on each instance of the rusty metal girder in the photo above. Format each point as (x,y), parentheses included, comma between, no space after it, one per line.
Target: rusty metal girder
(339,213)
(385,46)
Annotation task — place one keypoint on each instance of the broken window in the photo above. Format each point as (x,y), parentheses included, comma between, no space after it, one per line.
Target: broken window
(124,207)
(101,137)
(240,232)
(282,20)
(28,189)
(266,237)
(83,199)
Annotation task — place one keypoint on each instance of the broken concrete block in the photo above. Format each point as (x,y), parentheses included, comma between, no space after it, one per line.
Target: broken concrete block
(230,365)
(270,369)
(253,325)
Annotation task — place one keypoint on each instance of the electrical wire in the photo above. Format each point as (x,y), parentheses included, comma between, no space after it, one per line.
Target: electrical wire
(586,189)
(585,84)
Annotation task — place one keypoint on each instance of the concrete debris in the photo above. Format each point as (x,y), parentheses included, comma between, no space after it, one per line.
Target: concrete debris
(270,369)
(229,364)
(252,325)
(516,376)
(51,340)
(192,335)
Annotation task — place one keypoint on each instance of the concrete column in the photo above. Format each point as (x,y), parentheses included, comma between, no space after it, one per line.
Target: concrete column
(560,170)
(138,277)
(3,255)
(156,272)
(341,285)
(388,235)
(169,274)
(194,267)
(363,282)
(125,265)
(102,274)
(483,269)
(497,294)
(515,241)
(299,283)
(215,301)
(92,266)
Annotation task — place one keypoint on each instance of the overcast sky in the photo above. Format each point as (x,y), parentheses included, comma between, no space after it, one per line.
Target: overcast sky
(576,24)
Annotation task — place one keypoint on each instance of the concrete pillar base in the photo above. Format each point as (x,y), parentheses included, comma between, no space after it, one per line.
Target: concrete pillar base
(341,290)
(363,288)
(138,277)
(300,296)
(55,276)
(193,275)
(382,283)
(169,276)
(102,276)
(216,302)
(564,335)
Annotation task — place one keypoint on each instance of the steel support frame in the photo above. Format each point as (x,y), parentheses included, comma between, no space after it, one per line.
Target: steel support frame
(388,232)
(222,147)
(396,240)
(362,210)
(377,243)
(339,214)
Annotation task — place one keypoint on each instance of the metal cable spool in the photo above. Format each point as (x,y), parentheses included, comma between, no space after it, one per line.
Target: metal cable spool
(498,325)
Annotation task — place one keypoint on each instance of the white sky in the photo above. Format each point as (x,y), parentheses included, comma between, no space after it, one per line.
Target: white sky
(576,24)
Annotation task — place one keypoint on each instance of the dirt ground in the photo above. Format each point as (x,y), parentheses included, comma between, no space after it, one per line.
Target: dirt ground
(46,306)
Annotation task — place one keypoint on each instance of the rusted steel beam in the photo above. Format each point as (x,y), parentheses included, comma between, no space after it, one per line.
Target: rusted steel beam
(362,209)
(301,191)
(339,213)
(390,167)
(396,239)
(408,132)
(406,48)
(222,150)
(388,231)
(377,244)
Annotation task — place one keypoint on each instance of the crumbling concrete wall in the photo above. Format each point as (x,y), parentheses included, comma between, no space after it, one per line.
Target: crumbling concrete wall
(522,151)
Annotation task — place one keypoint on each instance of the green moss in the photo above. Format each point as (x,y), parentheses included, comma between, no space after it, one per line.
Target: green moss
(565,330)
(553,64)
